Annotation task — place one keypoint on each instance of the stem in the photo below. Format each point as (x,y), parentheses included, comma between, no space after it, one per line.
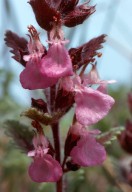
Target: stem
(56,136)
(52,97)
(64,161)
(59,186)
(55,131)
(47,95)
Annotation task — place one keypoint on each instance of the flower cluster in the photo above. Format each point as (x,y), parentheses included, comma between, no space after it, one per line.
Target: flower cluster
(61,73)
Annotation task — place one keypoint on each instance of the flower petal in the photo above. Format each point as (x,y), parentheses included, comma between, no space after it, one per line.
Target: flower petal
(45,169)
(57,62)
(88,152)
(103,88)
(31,78)
(92,106)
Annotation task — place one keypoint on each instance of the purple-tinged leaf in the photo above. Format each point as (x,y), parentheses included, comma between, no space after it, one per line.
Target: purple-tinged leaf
(85,53)
(20,133)
(18,46)
(67,6)
(54,3)
(78,15)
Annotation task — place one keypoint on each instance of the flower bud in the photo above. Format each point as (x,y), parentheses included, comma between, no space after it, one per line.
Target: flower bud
(125,138)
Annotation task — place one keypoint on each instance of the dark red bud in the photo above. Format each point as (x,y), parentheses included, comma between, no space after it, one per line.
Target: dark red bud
(37,126)
(125,138)
(70,142)
(72,166)
(130,101)
(39,104)
(45,13)
(64,100)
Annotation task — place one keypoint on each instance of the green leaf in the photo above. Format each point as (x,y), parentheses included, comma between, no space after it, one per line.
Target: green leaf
(44,118)
(109,136)
(21,134)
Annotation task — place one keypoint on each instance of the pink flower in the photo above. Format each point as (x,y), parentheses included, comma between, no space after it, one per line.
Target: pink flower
(31,77)
(44,70)
(91,105)
(57,63)
(87,152)
(44,168)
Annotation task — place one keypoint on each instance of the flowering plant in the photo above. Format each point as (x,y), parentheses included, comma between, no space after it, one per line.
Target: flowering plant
(62,76)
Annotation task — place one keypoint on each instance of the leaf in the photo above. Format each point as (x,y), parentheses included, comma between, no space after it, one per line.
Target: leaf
(18,46)
(20,133)
(67,6)
(107,137)
(85,53)
(44,118)
(78,15)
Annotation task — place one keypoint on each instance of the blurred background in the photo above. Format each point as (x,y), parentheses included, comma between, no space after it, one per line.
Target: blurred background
(112,17)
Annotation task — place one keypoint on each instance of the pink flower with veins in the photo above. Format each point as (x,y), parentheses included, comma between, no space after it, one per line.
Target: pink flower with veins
(57,63)
(87,152)
(44,168)
(91,105)
(31,77)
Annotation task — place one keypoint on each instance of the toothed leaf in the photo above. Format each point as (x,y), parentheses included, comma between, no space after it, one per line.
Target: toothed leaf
(20,133)
(44,118)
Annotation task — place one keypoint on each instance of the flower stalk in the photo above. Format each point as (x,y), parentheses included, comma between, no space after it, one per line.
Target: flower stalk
(59,185)
(56,71)
(56,136)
